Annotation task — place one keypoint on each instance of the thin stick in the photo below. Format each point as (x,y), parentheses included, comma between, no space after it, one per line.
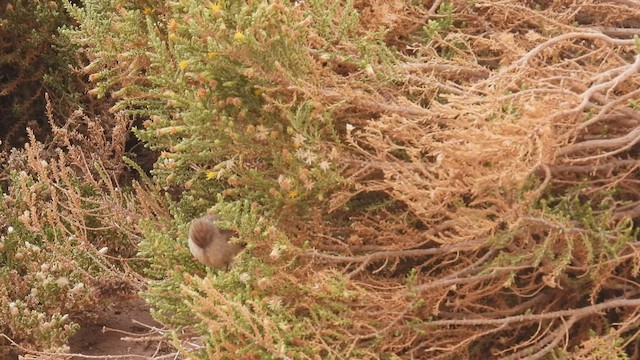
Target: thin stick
(462,246)
(536,317)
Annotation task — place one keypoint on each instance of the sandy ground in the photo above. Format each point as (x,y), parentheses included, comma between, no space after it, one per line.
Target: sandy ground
(122,332)
(106,336)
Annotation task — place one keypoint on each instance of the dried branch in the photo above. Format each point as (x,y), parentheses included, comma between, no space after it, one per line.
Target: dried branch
(465,246)
(579,312)
(620,144)
(616,32)
(545,345)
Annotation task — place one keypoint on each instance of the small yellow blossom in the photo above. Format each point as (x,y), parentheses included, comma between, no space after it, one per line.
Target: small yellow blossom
(211,175)
(239,36)
(215,7)
(213,55)
(173,37)
(183,64)
(148,11)
(293,194)
(257,92)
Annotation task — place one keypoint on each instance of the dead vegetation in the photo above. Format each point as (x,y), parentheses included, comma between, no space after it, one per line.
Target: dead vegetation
(70,231)
(450,261)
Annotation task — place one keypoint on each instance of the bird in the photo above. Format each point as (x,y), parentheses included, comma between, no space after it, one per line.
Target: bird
(210,245)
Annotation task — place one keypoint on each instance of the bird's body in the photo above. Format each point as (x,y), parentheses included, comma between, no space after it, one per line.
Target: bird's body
(210,245)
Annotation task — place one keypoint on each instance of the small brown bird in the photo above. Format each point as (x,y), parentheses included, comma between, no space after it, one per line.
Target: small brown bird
(210,245)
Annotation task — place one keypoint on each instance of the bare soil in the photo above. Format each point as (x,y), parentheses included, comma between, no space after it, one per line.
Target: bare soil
(118,332)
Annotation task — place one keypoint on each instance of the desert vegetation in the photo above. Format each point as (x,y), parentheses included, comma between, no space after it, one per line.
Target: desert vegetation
(409,180)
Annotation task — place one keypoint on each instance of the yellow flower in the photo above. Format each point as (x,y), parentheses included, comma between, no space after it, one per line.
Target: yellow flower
(215,7)
(212,55)
(183,64)
(211,175)
(148,11)
(173,37)
(293,194)
(239,36)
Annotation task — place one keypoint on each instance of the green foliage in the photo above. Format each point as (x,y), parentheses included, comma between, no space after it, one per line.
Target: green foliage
(572,232)
(165,287)
(208,80)
(46,289)
(197,73)
(442,24)
(601,238)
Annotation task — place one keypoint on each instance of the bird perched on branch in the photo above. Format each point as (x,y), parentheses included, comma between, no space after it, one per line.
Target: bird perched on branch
(209,244)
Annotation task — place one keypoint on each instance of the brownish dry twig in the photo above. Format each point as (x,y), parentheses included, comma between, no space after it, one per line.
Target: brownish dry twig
(580,312)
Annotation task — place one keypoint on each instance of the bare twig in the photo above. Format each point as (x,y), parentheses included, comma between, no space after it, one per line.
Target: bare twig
(620,144)
(581,312)
(573,35)
(463,246)
(545,345)
(612,31)
(434,7)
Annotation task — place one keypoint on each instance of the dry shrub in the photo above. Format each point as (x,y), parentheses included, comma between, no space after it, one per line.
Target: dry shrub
(71,230)
(481,217)
(487,151)
(497,219)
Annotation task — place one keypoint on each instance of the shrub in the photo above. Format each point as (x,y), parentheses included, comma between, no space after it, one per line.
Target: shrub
(404,191)
(69,231)
(35,60)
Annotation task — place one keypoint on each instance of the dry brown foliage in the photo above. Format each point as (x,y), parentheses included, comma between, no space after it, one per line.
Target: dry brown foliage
(77,189)
(67,194)
(536,102)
